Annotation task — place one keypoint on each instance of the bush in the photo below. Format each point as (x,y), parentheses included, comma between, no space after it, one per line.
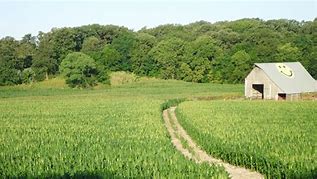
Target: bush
(28,75)
(80,70)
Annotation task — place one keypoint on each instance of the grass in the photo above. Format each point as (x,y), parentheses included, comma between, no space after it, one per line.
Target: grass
(121,77)
(50,130)
(278,139)
(144,88)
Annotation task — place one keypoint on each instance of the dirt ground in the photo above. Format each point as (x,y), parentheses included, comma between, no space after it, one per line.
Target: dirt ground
(183,143)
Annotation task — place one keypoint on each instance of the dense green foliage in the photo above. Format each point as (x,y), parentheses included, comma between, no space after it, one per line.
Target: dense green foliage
(79,69)
(221,52)
(276,138)
(108,132)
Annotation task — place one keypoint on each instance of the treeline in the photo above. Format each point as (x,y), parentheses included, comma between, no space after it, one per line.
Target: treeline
(221,52)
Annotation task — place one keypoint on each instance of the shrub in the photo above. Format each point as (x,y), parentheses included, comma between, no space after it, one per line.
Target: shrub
(80,70)
(28,75)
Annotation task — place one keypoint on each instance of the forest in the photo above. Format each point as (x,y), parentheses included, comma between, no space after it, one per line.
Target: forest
(221,52)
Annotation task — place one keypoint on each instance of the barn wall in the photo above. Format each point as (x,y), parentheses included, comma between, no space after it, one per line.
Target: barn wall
(293,97)
(257,76)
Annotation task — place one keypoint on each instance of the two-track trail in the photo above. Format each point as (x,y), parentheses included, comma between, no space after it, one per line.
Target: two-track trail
(183,143)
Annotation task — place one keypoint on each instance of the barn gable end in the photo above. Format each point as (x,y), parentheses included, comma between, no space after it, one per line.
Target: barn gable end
(255,79)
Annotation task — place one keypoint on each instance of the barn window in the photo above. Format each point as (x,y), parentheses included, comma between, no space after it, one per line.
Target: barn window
(281,96)
(258,91)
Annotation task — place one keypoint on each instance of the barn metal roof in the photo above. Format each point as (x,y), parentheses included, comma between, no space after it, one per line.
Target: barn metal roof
(298,81)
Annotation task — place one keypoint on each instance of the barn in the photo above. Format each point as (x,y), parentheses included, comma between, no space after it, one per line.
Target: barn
(286,81)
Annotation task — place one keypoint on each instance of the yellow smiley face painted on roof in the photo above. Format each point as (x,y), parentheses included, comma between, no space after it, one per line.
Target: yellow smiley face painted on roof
(285,70)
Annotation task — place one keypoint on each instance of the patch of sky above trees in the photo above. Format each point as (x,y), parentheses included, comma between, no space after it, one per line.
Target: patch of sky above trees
(222,52)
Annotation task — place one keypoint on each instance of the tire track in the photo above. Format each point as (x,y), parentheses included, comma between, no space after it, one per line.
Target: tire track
(192,151)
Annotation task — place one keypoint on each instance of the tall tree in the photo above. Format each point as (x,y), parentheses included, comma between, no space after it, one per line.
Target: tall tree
(142,63)
(111,58)
(205,56)
(123,44)
(169,55)
(63,41)
(10,65)
(241,61)
(26,50)
(92,46)
(287,52)
(44,63)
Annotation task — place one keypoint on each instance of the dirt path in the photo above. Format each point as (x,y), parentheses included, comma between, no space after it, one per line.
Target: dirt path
(183,143)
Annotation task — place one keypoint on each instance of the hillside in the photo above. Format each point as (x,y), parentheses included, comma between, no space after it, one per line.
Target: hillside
(221,52)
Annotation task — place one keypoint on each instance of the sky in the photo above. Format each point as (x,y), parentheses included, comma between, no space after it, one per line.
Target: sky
(18,17)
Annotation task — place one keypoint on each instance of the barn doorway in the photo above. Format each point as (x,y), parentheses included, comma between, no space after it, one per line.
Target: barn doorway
(281,96)
(258,91)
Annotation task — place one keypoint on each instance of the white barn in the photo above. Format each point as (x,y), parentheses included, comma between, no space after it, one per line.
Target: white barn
(286,80)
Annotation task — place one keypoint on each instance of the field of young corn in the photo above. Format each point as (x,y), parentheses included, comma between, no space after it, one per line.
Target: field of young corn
(109,132)
(278,139)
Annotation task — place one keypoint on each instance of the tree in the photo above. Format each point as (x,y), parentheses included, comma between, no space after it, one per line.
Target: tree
(26,51)
(92,47)
(43,63)
(123,44)
(10,65)
(198,52)
(111,58)
(226,37)
(312,68)
(169,55)
(63,41)
(263,41)
(309,47)
(142,63)
(79,69)
(205,55)
(241,61)
(186,72)
(288,53)
(168,31)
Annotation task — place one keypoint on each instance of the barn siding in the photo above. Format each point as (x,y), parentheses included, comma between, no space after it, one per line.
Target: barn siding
(293,97)
(257,76)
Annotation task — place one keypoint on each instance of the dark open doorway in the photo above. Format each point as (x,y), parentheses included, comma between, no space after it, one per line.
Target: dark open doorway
(281,96)
(258,91)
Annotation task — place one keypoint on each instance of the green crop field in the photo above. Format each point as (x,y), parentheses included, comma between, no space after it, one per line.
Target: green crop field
(279,139)
(49,130)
